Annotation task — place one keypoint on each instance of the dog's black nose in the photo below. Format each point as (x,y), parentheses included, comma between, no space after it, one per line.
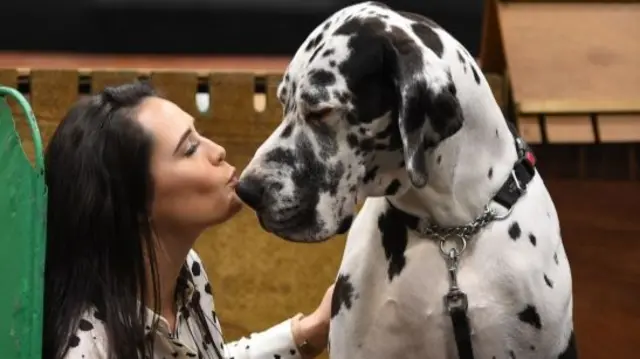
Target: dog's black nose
(251,192)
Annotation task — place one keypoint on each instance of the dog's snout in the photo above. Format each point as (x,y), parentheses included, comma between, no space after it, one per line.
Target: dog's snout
(251,192)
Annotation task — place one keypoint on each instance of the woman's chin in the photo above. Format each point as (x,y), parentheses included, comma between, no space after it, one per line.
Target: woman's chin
(235,205)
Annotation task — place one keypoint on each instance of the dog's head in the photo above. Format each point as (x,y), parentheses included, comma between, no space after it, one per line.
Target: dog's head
(363,98)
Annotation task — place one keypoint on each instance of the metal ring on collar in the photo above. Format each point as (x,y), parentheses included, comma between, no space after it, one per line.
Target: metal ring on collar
(458,250)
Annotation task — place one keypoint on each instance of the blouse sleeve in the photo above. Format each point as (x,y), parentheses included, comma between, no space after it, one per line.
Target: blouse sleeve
(89,341)
(274,343)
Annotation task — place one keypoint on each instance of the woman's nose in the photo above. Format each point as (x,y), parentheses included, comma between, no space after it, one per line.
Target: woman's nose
(218,153)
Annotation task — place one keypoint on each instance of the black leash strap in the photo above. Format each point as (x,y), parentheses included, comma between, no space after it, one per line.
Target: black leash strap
(456,303)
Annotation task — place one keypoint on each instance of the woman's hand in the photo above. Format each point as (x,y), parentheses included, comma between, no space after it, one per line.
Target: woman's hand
(311,333)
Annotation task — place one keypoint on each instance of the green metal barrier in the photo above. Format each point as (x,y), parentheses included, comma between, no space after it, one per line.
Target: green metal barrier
(23,205)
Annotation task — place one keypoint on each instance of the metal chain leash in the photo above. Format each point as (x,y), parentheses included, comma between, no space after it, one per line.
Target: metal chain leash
(456,298)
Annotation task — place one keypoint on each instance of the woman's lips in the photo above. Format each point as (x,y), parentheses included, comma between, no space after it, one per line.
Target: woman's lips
(233,179)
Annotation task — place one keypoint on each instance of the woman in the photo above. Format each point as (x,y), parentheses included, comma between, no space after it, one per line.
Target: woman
(131,187)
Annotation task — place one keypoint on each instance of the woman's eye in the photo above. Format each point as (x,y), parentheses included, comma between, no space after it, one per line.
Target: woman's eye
(318,114)
(192,146)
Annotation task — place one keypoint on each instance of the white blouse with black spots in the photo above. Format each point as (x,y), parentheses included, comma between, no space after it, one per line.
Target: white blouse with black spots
(188,340)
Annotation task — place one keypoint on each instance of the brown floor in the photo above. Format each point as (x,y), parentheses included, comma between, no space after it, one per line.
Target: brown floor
(600,226)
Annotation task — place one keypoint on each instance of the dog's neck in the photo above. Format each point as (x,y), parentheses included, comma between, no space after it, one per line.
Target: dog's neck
(464,171)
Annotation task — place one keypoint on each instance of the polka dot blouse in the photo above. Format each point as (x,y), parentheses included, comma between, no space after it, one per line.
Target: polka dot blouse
(188,340)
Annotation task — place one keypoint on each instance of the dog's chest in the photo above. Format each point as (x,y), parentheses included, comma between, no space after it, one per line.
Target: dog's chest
(396,298)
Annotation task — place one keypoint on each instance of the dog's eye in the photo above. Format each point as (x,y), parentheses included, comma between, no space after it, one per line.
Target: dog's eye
(318,114)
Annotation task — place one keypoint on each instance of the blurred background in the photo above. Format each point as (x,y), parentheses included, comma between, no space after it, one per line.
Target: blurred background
(220,27)
(567,74)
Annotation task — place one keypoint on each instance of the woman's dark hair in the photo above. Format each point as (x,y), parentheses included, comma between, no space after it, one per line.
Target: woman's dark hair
(99,238)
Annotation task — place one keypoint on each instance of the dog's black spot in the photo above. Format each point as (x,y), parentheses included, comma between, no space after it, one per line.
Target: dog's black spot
(532,348)
(332,63)
(280,156)
(530,316)
(196,269)
(321,78)
(373,90)
(312,100)
(85,325)
(320,94)
(328,52)
(555,258)
(514,231)
(476,77)
(314,42)
(512,354)
(326,25)
(370,175)
(315,53)
(439,159)
(352,140)
(362,130)
(394,241)
(533,239)
(548,281)
(490,174)
(428,37)
(343,97)
(345,224)
(571,351)
(461,58)
(392,134)
(497,134)
(392,188)
(288,129)
(367,144)
(342,295)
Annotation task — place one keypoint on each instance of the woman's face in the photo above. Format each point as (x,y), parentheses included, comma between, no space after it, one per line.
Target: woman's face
(194,187)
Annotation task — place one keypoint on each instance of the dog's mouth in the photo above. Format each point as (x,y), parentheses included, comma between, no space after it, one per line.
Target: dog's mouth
(294,226)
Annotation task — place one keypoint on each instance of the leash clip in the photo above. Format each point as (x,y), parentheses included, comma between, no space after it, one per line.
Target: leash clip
(455,299)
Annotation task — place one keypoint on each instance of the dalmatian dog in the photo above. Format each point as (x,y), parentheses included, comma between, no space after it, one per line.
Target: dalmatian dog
(386,115)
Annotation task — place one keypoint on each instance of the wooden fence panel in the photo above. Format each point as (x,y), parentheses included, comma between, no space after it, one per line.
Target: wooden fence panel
(179,87)
(9,77)
(569,129)
(272,115)
(53,92)
(232,105)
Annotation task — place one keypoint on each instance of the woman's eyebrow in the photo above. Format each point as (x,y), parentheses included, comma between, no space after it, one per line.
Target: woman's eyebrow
(182,139)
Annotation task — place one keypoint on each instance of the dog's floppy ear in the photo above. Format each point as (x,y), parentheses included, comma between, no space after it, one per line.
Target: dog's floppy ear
(427,112)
